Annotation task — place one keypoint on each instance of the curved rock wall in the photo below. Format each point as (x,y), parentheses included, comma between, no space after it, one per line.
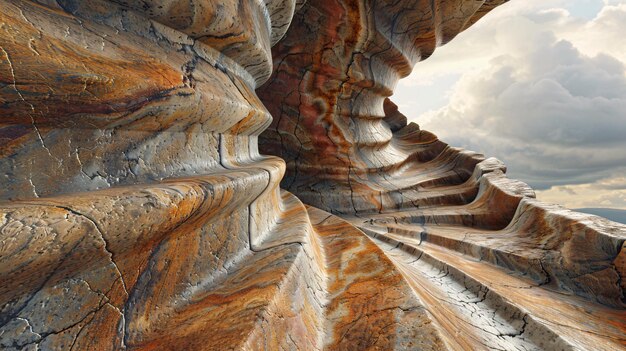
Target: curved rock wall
(136,212)
(333,71)
(100,95)
(479,251)
(132,184)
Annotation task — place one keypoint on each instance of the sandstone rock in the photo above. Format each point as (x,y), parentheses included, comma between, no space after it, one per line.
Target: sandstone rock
(136,211)
(495,268)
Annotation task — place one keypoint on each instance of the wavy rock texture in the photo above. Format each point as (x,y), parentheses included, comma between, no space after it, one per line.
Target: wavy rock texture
(137,213)
(495,268)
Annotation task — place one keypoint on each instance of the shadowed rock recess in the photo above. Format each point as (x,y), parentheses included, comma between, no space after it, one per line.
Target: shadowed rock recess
(137,213)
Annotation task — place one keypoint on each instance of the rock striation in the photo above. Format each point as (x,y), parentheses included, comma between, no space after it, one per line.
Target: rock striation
(137,213)
(495,268)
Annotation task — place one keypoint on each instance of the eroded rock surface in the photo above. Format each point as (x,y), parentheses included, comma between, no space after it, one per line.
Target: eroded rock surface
(495,268)
(137,213)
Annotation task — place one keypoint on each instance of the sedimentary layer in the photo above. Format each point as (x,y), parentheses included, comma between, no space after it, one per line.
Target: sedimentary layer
(134,200)
(136,212)
(495,268)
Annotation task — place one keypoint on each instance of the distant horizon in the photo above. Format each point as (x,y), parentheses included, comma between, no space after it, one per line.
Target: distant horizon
(542,87)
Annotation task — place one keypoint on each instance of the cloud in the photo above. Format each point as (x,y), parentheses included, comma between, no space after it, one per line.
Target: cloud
(605,33)
(590,195)
(540,91)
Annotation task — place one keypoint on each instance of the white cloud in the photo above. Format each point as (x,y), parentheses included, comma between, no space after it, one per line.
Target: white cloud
(605,33)
(541,89)
(608,193)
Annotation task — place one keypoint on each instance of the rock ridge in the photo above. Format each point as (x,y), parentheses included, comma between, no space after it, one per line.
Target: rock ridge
(137,212)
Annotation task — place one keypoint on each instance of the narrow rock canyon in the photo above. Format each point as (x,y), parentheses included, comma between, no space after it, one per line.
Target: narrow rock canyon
(232,175)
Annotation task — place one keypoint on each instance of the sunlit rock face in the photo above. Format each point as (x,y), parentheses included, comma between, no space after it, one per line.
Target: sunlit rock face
(495,268)
(137,213)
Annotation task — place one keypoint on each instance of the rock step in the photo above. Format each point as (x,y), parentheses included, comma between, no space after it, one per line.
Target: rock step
(507,250)
(233,313)
(337,290)
(493,207)
(569,251)
(447,187)
(369,305)
(480,306)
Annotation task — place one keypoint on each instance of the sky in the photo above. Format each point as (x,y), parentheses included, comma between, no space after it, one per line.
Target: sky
(541,85)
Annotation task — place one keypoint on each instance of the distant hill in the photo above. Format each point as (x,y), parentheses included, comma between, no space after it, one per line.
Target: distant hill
(609,213)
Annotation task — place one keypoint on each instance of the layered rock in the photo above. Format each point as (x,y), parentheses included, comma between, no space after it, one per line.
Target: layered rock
(338,63)
(495,268)
(136,210)
(137,213)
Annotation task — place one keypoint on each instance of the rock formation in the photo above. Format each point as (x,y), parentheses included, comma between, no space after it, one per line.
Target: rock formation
(137,213)
(474,245)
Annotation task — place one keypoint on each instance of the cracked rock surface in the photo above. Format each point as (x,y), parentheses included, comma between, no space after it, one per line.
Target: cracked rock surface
(495,268)
(137,213)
